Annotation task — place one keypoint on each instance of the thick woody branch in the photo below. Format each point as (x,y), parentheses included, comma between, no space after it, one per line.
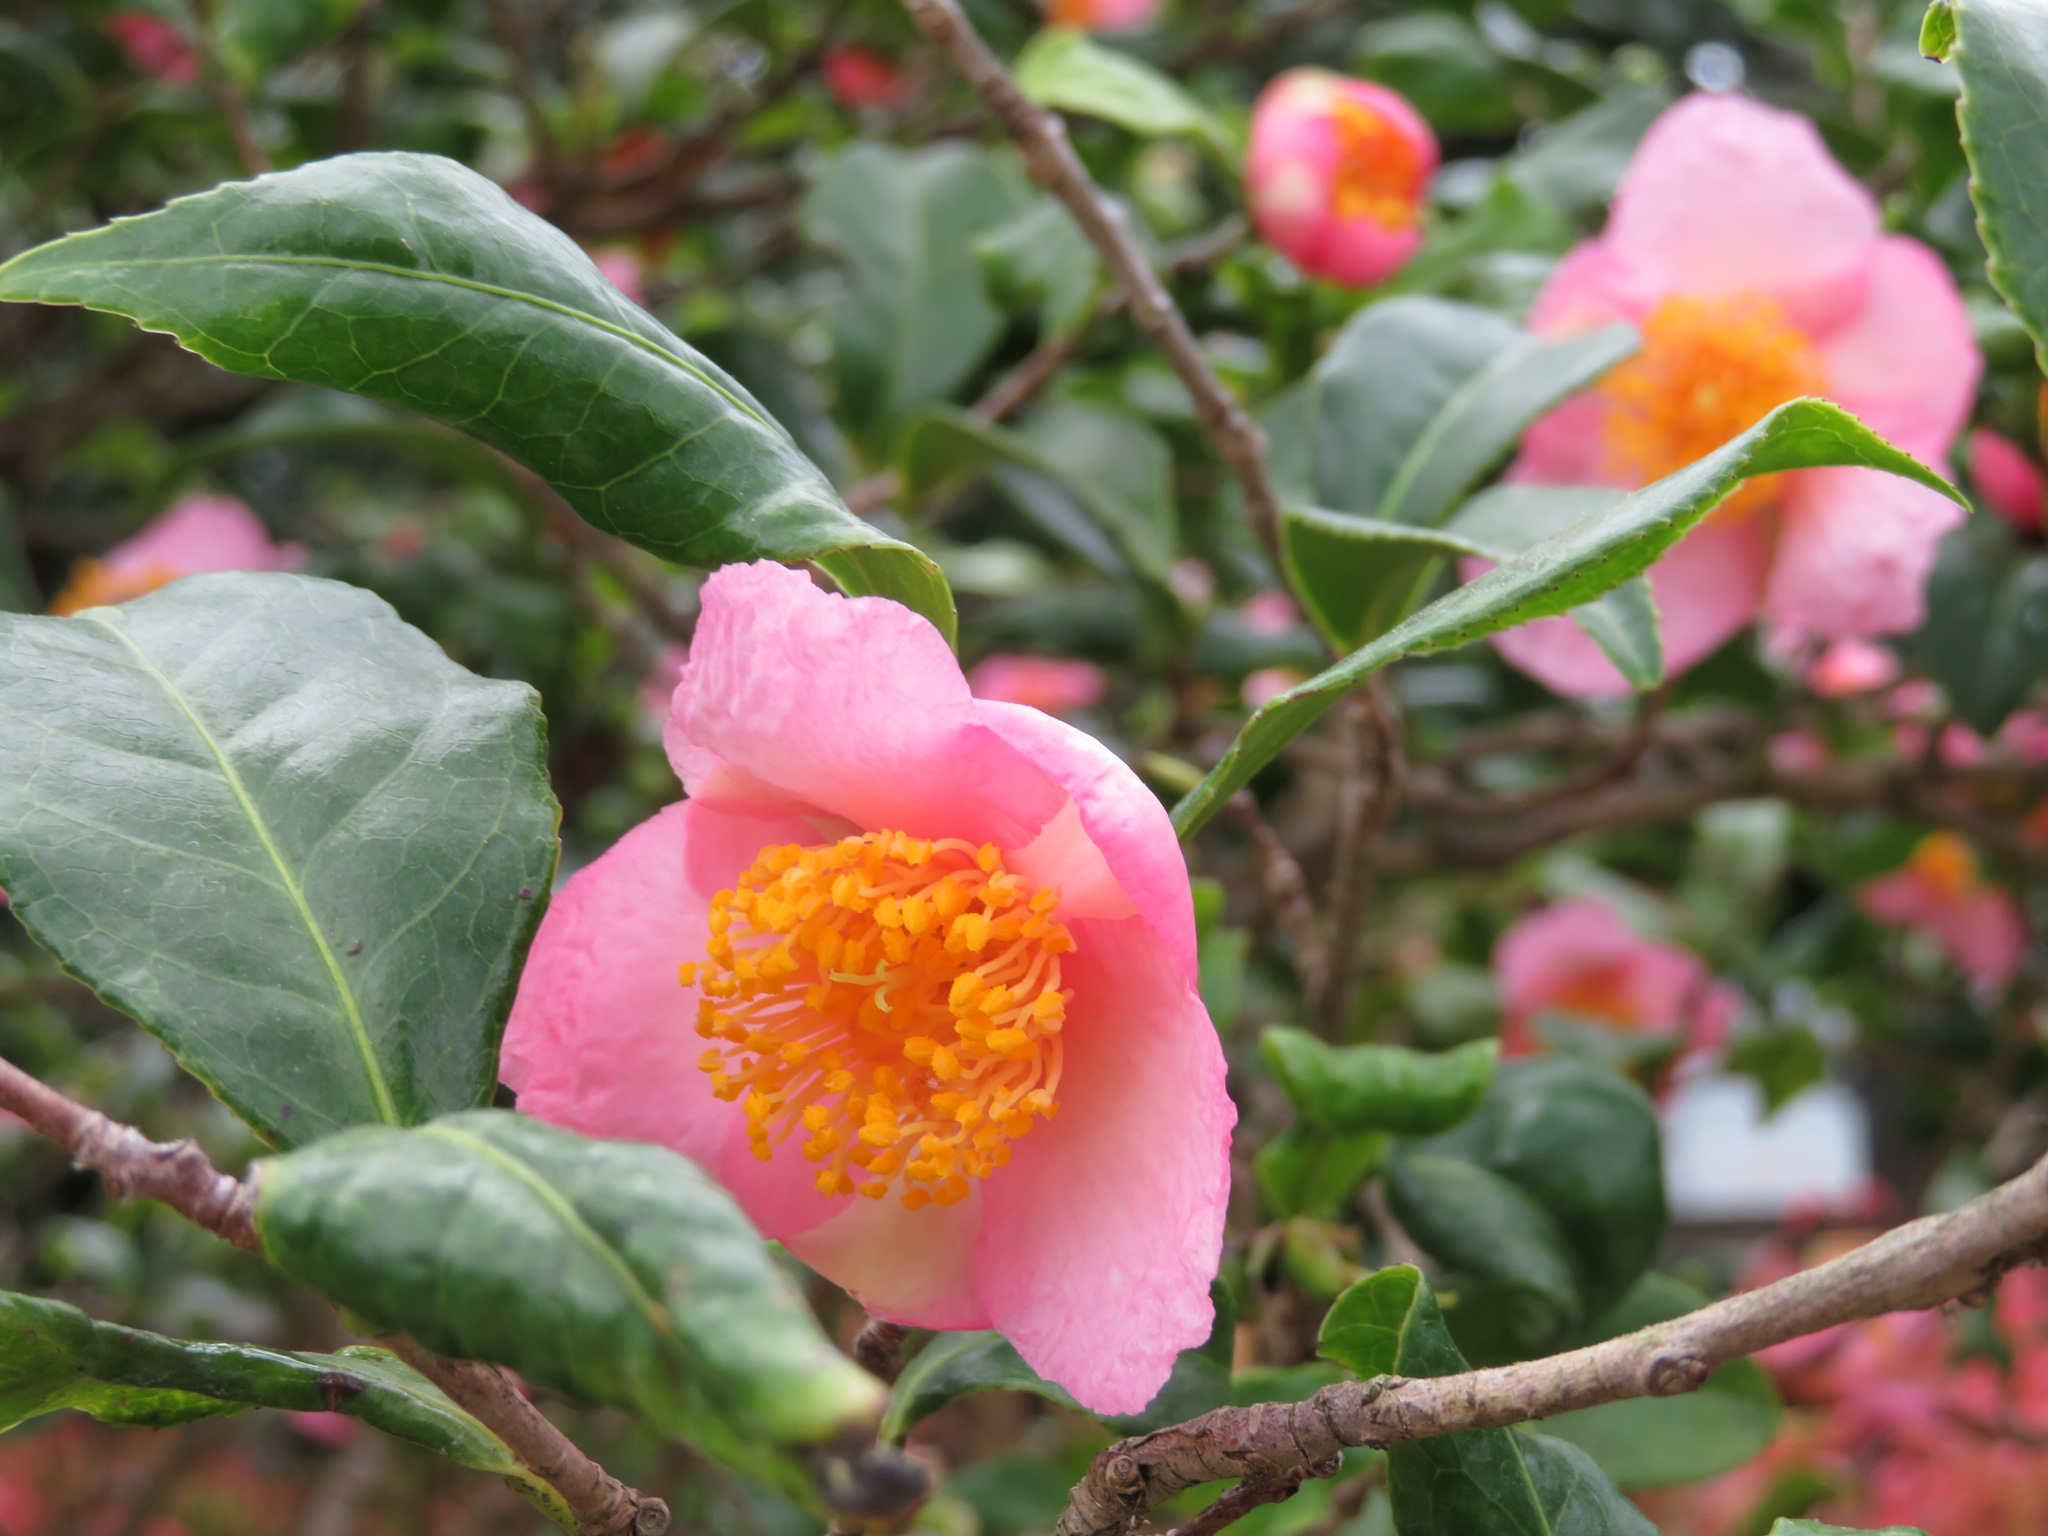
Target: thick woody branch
(1041,138)
(1958,1256)
(180,1175)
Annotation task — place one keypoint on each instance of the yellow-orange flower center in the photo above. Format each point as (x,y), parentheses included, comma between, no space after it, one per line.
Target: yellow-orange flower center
(93,585)
(1379,171)
(1943,862)
(897,1000)
(1709,369)
(1601,991)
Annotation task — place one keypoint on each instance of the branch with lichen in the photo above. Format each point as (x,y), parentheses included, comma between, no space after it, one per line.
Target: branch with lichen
(1959,1256)
(180,1175)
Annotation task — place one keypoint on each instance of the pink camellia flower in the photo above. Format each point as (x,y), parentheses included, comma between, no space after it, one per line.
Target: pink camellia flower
(195,534)
(1053,684)
(153,46)
(2011,484)
(1102,15)
(624,270)
(1578,957)
(1850,667)
(1336,173)
(937,1026)
(1757,271)
(860,78)
(1940,891)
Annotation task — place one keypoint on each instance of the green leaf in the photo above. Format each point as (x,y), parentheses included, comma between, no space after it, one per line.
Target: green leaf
(1786,1527)
(1938,30)
(285,832)
(53,1356)
(1042,258)
(957,1365)
(1986,636)
(1308,1172)
(259,36)
(1576,164)
(1655,1442)
(613,1271)
(415,281)
(1624,625)
(1492,1482)
(1071,71)
(1356,1088)
(2001,51)
(1491,1234)
(919,319)
(1586,561)
(1583,1142)
(1358,577)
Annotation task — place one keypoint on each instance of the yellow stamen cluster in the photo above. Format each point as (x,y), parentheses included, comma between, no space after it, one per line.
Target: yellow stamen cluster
(899,999)
(1709,370)
(1945,865)
(1379,173)
(93,585)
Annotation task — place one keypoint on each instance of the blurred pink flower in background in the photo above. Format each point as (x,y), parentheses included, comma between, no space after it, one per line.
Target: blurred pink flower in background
(1262,687)
(1957,746)
(154,47)
(977,1064)
(2010,483)
(1271,612)
(1850,667)
(1578,957)
(1336,175)
(1053,684)
(195,534)
(1757,271)
(1941,892)
(624,270)
(861,78)
(1102,15)
(1798,751)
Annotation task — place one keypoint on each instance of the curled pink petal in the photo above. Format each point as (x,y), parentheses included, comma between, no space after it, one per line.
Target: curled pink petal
(2010,482)
(880,879)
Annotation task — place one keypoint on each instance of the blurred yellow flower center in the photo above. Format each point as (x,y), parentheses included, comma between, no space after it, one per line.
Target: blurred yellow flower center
(898,1000)
(1944,863)
(1601,992)
(1708,370)
(92,585)
(1378,175)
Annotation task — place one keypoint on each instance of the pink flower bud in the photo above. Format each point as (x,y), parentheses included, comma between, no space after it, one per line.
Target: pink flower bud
(1336,175)
(154,47)
(1850,667)
(2010,482)
(860,78)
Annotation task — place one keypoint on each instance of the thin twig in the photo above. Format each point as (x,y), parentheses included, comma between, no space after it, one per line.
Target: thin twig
(1958,1256)
(1041,138)
(1236,1503)
(1369,792)
(1286,891)
(179,1174)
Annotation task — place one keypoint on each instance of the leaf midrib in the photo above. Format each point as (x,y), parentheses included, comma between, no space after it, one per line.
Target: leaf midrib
(567,1214)
(414,274)
(352,1014)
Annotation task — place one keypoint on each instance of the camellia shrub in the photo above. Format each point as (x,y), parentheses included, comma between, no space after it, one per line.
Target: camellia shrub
(777,717)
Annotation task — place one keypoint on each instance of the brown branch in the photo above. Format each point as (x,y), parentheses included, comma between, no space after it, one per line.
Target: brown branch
(1286,891)
(1247,1496)
(179,1174)
(1041,138)
(1958,1256)
(1369,792)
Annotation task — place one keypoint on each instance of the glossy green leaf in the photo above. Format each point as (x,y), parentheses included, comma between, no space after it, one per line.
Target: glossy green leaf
(1655,1442)
(1986,635)
(613,1271)
(1624,624)
(1587,560)
(919,319)
(1583,1143)
(957,1365)
(285,832)
(1503,1248)
(1355,1088)
(1938,30)
(1494,1482)
(2001,50)
(417,282)
(1071,71)
(1309,1172)
(53,1356)
(1041,258)
(1820,1528)
(1358,577)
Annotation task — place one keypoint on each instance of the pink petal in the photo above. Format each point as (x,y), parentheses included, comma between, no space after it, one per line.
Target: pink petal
(1589,288)
(1985,936)
(1100,1238)
(1565,445)
(853,706)
(1854,551)
(1850,667)
(203,533)
(1726,196)
(1121,817)
(1707,590)
(2006,478)
(1540,953)
(918,1268)
(1906,362)
(601,1037)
